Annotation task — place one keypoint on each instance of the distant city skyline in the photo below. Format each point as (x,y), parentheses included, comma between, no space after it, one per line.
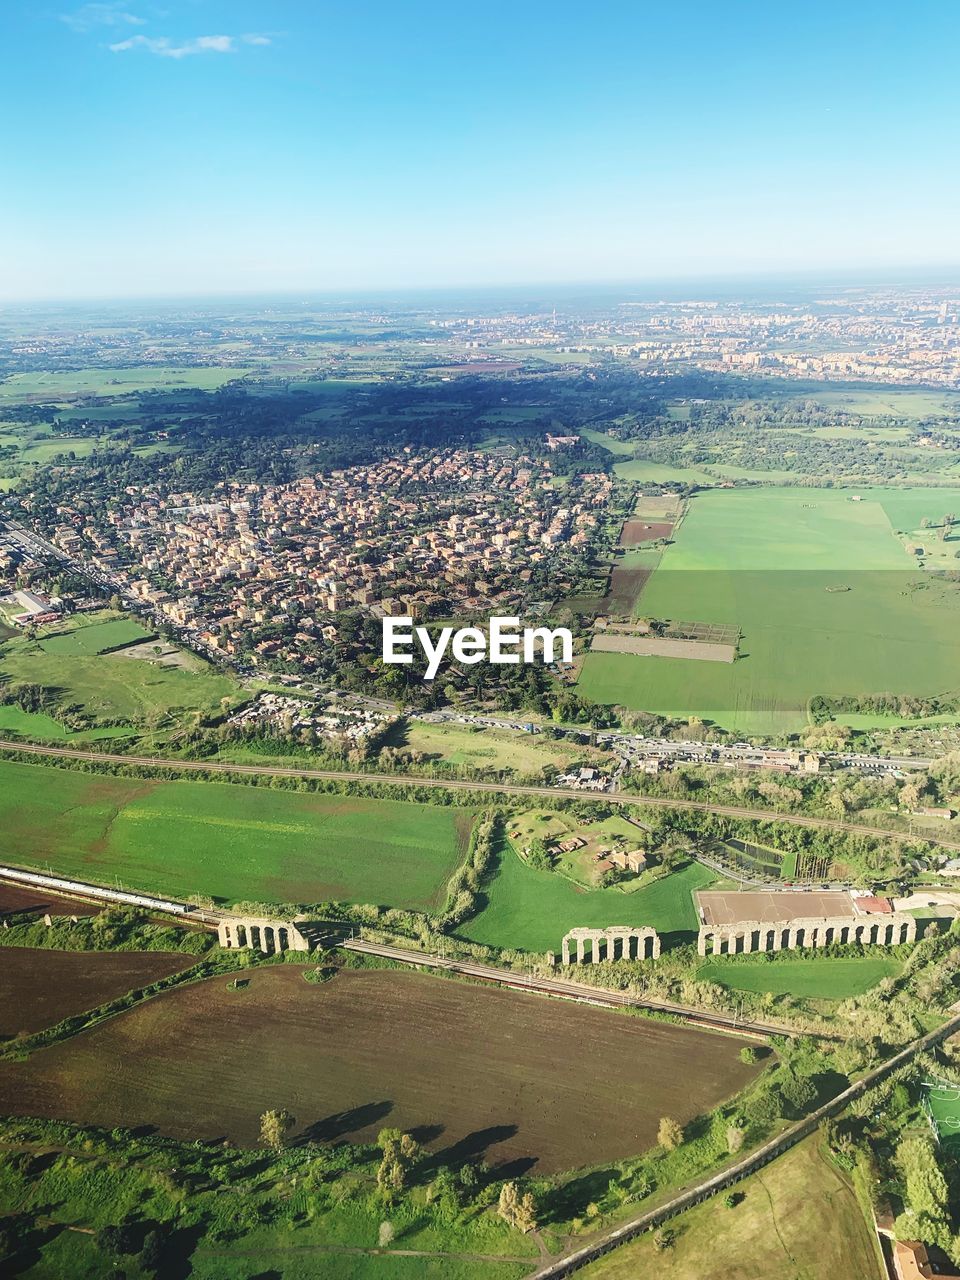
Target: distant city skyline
(206,147)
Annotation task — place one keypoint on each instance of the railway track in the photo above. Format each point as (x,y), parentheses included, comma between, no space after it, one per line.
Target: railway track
(457,784)
(567,989)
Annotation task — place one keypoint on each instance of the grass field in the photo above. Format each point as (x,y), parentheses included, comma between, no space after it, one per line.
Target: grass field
(230,842)
(945,1109)
(799,1220)
(99,637)
(827,598)
(479,748)
(43,728)
(887,402)
(113,687)
(812,977)
(383,1047)
(38,987)
(531,910)
(106,382)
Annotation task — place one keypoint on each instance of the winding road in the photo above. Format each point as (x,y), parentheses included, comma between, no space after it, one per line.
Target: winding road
(461,784)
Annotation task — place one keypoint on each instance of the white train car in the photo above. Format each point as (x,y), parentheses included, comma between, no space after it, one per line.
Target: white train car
(94,891)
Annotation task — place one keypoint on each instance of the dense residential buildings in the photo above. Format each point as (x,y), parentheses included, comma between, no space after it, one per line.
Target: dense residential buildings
(422,534)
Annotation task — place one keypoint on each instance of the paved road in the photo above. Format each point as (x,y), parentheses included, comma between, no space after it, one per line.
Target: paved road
(734,1173)
(582,992)
(456,784)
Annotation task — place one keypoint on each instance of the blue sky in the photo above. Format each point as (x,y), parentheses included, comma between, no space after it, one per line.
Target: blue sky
(195,146)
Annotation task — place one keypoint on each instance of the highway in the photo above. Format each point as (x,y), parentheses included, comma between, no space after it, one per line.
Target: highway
(457,784)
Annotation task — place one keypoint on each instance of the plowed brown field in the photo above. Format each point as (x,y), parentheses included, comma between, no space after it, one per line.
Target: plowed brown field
(38,988)
(471,1070)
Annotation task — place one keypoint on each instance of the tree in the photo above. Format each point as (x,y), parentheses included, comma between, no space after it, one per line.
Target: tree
(400,1154)
(274,1127)
(669,1134)
(799,1091)
(385,1234)
(748,1054)
(121,1239)
(516,1208)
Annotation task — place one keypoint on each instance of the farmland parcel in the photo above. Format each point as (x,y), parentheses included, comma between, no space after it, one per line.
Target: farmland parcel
(827,597)
(476,1071)
(229,842)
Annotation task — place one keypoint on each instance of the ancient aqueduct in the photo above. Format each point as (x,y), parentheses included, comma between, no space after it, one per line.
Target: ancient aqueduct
(759,935)
(258,934)
(608,939)
(582,946)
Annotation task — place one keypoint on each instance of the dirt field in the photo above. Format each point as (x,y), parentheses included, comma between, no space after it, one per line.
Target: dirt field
(625,588)
(15,897)
(718,906)
(662,647)
(472,1070)
(38,988)
(636,532)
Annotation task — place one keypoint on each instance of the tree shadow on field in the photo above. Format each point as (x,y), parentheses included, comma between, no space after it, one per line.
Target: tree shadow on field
(178,1248)
(27,1240)
(471,1147)
(426,1133)
(517,1168)
(344,1122)
(571,1199)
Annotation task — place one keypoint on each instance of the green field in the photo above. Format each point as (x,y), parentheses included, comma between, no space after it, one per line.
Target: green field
(945,1109)
(531,910)
(479,748)
(107,382)
(230,842)
(113,687)
(813,977)
(826,596)
(99,637)
(42,728)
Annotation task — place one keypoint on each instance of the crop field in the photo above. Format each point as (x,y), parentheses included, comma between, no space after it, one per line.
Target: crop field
(230,842)
(531,910)
(635,532)
(99,637)
(825,594)
(799,1219)
(812,977)
(472,1070)
(38,987)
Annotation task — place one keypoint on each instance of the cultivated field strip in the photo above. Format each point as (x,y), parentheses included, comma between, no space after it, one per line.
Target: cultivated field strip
(456,784)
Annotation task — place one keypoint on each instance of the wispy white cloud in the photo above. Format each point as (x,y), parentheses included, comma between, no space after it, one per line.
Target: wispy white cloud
(164,47)
(91,16)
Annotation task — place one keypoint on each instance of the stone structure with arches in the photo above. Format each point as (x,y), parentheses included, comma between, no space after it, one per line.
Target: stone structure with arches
(257,933)
(759,935)
(638,944)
